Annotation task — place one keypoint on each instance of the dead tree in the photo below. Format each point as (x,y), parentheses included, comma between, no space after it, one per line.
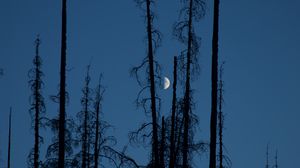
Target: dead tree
(162,149)
(98,107)
(221,119)
(152,69)
(62,92)
(37,110)
(214,91)
(85,117)
(173,116)
(193,10)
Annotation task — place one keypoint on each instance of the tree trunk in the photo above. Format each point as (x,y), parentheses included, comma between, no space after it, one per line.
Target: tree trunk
(172,138)
(62,93)
(187,97)
(96,150)
(37,109)
(214,92)
(152,88)
(162,144)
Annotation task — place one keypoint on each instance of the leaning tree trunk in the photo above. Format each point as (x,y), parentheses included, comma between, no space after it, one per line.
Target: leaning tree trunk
(172,138)
(214,92)
(152,88)
(62,93)
(187,96)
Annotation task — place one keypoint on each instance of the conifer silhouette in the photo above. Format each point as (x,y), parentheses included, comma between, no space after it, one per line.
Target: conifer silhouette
(37,109)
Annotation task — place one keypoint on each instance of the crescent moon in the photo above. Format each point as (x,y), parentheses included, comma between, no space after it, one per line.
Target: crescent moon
(166,83)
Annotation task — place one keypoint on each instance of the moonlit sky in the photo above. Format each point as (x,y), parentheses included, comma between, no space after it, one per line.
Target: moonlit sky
(259,40)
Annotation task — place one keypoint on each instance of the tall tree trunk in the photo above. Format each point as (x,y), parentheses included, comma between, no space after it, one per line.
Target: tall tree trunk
(214,82)
(172,138)
(187,96)
(37,107)
(152,87)
(162,143)
(97,106)
(9,140)
(62,96)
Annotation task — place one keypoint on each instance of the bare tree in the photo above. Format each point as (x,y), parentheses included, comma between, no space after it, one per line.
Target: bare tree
(193,10)
(62,92)
(37,109)
(85,117)
(214,91)
(173,116)
(224,160)
(152,72)
(98,107)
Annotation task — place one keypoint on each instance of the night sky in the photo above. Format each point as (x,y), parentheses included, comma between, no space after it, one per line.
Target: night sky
(259,40)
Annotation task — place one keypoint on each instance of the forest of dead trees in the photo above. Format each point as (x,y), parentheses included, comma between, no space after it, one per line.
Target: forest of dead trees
(84,140)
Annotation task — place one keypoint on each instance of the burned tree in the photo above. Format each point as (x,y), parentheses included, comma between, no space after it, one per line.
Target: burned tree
(224,160)
(192,11)
(37,109)
(214,85)
(152,70)
(173,116)
(84,130)
(62,92)
(98,107)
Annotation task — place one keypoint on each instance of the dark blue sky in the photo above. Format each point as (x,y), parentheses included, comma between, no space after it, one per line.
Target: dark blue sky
(259,40)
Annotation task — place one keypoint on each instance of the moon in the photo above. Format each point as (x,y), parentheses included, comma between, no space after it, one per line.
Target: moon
(166,83)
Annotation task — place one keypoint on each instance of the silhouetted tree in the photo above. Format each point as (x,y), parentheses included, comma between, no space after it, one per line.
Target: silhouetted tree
(9,140)
(85,117)
(52,156)
(37,109)
(221,118)
(98,107)
(152,72)
(62,92)
(214,85)
(193,10)
(173,116)
(224,160)
(163,145)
